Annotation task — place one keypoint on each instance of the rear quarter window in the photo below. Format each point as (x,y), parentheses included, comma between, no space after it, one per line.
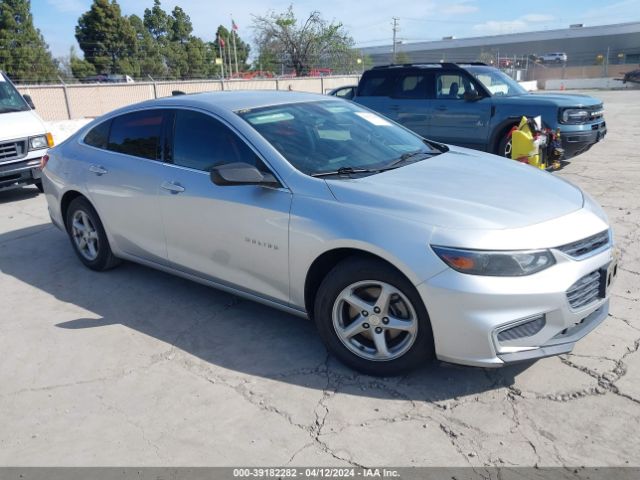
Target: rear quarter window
(377,85)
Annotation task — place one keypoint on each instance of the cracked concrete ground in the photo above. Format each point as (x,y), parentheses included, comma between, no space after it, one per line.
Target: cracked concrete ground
(136,367)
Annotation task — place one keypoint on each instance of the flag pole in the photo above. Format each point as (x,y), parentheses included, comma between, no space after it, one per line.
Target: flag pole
(234,28)
(221,56)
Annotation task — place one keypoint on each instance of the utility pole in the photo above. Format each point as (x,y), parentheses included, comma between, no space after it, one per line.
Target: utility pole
(395,31)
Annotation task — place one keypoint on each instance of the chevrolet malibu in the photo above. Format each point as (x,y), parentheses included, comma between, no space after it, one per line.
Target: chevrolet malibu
(400,249)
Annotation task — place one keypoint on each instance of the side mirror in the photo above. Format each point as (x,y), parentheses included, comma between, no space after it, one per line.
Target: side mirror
(29,100)
(240,173)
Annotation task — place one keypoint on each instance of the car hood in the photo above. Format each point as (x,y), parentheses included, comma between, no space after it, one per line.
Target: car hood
(15,125)
(463,189)
(557,99)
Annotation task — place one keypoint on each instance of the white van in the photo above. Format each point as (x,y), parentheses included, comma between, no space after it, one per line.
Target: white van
(24,139)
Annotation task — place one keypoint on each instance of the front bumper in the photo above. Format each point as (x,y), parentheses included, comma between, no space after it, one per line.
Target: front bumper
(467,312)
(575,142)
(19,174)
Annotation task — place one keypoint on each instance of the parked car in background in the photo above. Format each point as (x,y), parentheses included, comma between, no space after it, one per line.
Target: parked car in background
(347,92)
(475,106)
(400,249)
(23,138)
(107,78)
(557,57)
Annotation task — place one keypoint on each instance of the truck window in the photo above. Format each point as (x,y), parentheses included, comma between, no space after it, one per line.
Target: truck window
(377,85)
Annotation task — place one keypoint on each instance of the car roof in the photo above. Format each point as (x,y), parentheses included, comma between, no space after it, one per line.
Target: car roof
(234,100)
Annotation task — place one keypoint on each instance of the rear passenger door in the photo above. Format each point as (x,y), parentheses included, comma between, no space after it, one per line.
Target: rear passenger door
(411,100)
(375,91)
(124,163)
(456,119)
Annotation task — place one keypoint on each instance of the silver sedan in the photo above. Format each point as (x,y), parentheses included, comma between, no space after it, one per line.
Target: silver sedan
(400,249)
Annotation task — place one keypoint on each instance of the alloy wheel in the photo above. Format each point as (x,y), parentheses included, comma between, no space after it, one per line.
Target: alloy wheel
(375,320)
(85,235)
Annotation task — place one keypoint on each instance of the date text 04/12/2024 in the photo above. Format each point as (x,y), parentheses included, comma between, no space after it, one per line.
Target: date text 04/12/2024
(314,473)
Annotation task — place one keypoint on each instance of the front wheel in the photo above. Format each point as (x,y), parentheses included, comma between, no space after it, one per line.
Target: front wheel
(372,318)
(505,146)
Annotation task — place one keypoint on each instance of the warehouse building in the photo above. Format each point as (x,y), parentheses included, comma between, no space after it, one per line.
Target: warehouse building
(584,46)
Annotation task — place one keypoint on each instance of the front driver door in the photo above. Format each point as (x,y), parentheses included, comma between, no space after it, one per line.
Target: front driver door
(237,235)
(454,119)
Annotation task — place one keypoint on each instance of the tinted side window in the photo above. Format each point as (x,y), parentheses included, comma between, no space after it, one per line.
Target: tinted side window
(453,86)
(377,85)
(412,85)
(137,134)
(202,142)
(98,136)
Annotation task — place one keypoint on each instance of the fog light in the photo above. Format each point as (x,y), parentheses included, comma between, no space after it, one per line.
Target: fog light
(527,328)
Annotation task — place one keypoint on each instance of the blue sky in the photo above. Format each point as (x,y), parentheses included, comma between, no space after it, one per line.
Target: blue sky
(368,21)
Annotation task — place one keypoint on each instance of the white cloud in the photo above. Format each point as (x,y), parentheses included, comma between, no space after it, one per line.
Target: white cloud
(530,21)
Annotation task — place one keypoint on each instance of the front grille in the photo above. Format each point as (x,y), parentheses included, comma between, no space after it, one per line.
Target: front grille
(586,245)
(527,329)
(13,150)
(595,112)
(584,291)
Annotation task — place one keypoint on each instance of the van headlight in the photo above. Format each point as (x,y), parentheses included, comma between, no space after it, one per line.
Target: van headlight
(575,115)
(41,141)
(495,263)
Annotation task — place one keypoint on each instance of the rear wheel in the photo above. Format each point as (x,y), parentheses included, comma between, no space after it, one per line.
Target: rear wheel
(88,237)
(372,318)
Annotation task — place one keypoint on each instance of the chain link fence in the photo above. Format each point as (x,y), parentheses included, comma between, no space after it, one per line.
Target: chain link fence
(71,101)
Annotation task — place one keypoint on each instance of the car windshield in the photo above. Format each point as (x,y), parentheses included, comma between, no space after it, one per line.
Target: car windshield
(498,83)
(10,99)
(331,136)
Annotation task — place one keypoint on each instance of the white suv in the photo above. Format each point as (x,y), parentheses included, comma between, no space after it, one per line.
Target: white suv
(558,57)
(24,139)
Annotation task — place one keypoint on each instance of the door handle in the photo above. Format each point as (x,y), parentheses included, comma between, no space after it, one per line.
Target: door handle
(172,187)
(98,170)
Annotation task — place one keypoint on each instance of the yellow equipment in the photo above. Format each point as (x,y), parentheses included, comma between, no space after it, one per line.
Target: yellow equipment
(537,146)
(525,144)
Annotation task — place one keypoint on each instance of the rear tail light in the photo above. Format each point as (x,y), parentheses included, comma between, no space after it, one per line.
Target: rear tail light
(43,161)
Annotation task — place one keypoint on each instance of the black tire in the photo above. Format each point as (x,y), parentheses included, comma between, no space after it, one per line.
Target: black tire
(105,258)
(354,270)
(39,186)
(505,142)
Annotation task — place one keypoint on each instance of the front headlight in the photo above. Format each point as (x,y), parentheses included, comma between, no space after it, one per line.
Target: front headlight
(495,263)
(41,141)
(575,115)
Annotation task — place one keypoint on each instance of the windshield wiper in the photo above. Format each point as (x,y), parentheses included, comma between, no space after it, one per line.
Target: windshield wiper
(344,171)
(405,157)
(11,109)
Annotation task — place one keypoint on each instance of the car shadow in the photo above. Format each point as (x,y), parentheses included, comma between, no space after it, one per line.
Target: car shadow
(22,193)
(218,328)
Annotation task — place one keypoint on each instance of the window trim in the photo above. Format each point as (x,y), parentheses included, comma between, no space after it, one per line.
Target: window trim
(241,137)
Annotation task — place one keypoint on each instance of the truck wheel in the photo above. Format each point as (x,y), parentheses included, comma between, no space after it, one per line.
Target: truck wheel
(372,318)
(505,146)
(88,237)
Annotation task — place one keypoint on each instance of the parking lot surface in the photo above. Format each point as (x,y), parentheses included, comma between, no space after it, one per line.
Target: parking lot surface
(137,367)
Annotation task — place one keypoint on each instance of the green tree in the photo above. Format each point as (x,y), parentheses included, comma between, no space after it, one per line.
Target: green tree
(149,55)
(79,67)
(108,39)
(24,55)
(312,43)
(157,21)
